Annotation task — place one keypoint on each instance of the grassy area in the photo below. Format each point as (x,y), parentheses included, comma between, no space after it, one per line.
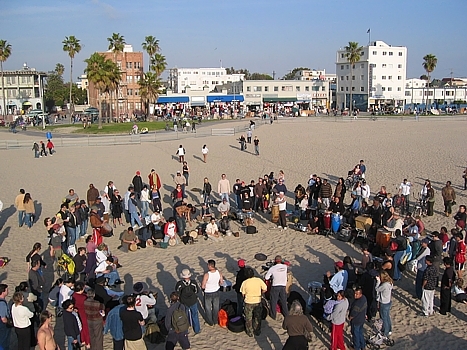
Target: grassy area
(120,128)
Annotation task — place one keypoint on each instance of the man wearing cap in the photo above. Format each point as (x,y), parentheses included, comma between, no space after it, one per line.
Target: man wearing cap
(137,184)
(278,273)
(282,202)
(187,289)
(238,283)
(154,180)
(339,280)
(252,289)
(100,207)
(224,207)
(105,269)
(145,303)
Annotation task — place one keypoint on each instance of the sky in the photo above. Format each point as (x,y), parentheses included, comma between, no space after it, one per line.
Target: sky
(262,36)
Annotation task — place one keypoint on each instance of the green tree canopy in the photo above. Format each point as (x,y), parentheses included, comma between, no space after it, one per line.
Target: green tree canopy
(260,76)
(291,74)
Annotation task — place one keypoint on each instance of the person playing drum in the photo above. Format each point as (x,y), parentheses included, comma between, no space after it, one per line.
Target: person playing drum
(129,237)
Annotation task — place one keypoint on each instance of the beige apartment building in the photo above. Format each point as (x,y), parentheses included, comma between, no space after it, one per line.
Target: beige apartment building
(129,97)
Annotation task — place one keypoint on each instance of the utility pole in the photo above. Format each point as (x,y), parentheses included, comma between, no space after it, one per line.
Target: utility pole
(273,75)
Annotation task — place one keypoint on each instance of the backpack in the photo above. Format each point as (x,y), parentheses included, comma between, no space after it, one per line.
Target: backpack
(180,320)
(153,334)
(186,292)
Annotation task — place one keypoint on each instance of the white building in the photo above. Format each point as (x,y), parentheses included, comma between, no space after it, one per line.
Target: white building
(418,94)
(198,78)
(377,80)
(314,74)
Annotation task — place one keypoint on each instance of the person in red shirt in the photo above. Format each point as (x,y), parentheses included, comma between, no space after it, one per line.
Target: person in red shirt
(50,146)
(460,254)
(443,235)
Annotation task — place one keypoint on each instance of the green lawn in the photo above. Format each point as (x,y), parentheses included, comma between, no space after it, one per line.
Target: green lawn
(119,128)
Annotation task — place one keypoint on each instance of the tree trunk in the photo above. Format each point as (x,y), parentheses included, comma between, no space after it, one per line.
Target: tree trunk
(100,110)
(71,83)
(351,101)
(3,91)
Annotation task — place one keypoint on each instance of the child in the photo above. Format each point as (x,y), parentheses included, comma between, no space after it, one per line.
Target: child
(459,293)
(50,146)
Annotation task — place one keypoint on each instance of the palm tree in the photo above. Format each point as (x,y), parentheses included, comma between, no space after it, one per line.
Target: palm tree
(104,74)
(158,64)
(116,45)
(59,69)
(72,46)
(151,46)
(429,64)
(150,86)
(5,52)
(352,52)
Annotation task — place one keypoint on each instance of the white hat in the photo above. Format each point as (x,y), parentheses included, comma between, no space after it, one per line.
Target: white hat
(185,273)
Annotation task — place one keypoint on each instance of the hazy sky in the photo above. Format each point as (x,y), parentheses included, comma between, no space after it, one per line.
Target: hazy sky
(262,36)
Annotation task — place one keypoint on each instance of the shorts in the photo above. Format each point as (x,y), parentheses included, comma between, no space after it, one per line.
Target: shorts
(459,266)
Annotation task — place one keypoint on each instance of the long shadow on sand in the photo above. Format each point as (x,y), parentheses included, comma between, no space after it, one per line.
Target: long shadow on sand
(169,280)
(5,214)
(4,235)
(38,209)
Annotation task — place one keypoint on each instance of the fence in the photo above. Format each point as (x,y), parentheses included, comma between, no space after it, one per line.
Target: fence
(102,140)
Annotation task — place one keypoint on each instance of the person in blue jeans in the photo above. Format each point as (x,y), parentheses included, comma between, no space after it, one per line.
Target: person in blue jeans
(20,206)
(188,290)
(71,323)
(5,312)
(384,285)
(105,269)
(357,316)
(132,210)
(212,280)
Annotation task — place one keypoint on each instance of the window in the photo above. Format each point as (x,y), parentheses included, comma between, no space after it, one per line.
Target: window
(323,88)
(276,88)
(362,89)
(353,88)
(390,77)
(383,88)
(346,66)
(399,88)
(375,53)
(384,65)
(297,88)
(342,55)
(362,77)
(362,65)
(391,53)
(383,77)
(129,78)
(315,88)
(257,88)
(399,66)
(23,80)
(137,78)
(136,92)
(266,88)
(192,82)
(346,77)
(373,88)
(119,64)
(130,92)
(407,93)
(307,88)
(400,53)
(353,77)
(128,65)
(248,88)
(389,88)
(342,88)
(342,77)
(213,82)
(342,66)
(346,88)
(399,77)
(373,65)
(384,53)
(287,88)
(362,53)
(137,65)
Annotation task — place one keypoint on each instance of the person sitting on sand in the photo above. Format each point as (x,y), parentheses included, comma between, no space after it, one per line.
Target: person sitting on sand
(212,231)
(224,207)
(459,292)
(129,237)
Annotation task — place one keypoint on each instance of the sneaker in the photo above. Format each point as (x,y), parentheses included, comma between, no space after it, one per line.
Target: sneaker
(285,228)
(279,227)
(390,333)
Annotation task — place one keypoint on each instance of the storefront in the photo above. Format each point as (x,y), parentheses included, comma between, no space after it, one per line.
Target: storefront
(173,105)
(280,105)
(224,104)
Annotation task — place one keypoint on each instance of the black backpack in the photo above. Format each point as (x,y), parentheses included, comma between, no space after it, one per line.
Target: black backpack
(186,292)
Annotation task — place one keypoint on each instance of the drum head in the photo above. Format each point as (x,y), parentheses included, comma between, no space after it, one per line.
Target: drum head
(172,242)
(194,234)
(261,257)
(132,247)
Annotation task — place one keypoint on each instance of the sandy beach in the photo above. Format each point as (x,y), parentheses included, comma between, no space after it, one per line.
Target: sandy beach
(392,150)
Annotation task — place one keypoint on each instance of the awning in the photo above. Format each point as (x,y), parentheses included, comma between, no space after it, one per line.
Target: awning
(173,99)
(225,98)
(279,99)
(197,103)
(27,103)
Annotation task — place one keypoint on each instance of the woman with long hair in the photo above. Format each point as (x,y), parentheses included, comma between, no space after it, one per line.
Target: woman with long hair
(22,322)
(91,253)
(34,255)
(205,152)
(384,285)
(340,189)
(298,327)
(338,315)
(29,301)
(28,204)
(79,297)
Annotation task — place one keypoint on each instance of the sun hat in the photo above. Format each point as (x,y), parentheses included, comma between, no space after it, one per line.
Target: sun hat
(185,273)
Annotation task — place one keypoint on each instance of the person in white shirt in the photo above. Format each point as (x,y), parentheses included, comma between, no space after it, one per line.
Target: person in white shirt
(205,152)
(65,292)
(224,207)
(156,219)
(223,187)
(395,223)
(282,202)
(278,273)
(106,269)
(145,201)
(145,303)
(366,192)
(212,231)
(22,321)
(404,191)
(212,280)
(181,154)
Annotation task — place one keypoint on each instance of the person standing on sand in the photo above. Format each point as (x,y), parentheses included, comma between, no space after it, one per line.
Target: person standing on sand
(249,134)
(212,280)
(338,321)
(357,315)
(181,154)
(205,152)
(35,148)
(50,146)
(252,289)
(278,273)
(45,333)
(447,282)
(19,204)
(223,187)
(256,142)
(449,198)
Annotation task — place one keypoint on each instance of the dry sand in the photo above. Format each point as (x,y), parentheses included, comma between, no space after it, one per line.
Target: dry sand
(392,151)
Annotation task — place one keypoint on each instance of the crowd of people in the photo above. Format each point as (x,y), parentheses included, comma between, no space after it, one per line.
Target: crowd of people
(89,292)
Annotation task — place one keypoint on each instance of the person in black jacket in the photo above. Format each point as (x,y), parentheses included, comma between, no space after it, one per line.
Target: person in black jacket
(138,184)
(102,296)
(238,283)
(207,189)
(188,289)
(71,323)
